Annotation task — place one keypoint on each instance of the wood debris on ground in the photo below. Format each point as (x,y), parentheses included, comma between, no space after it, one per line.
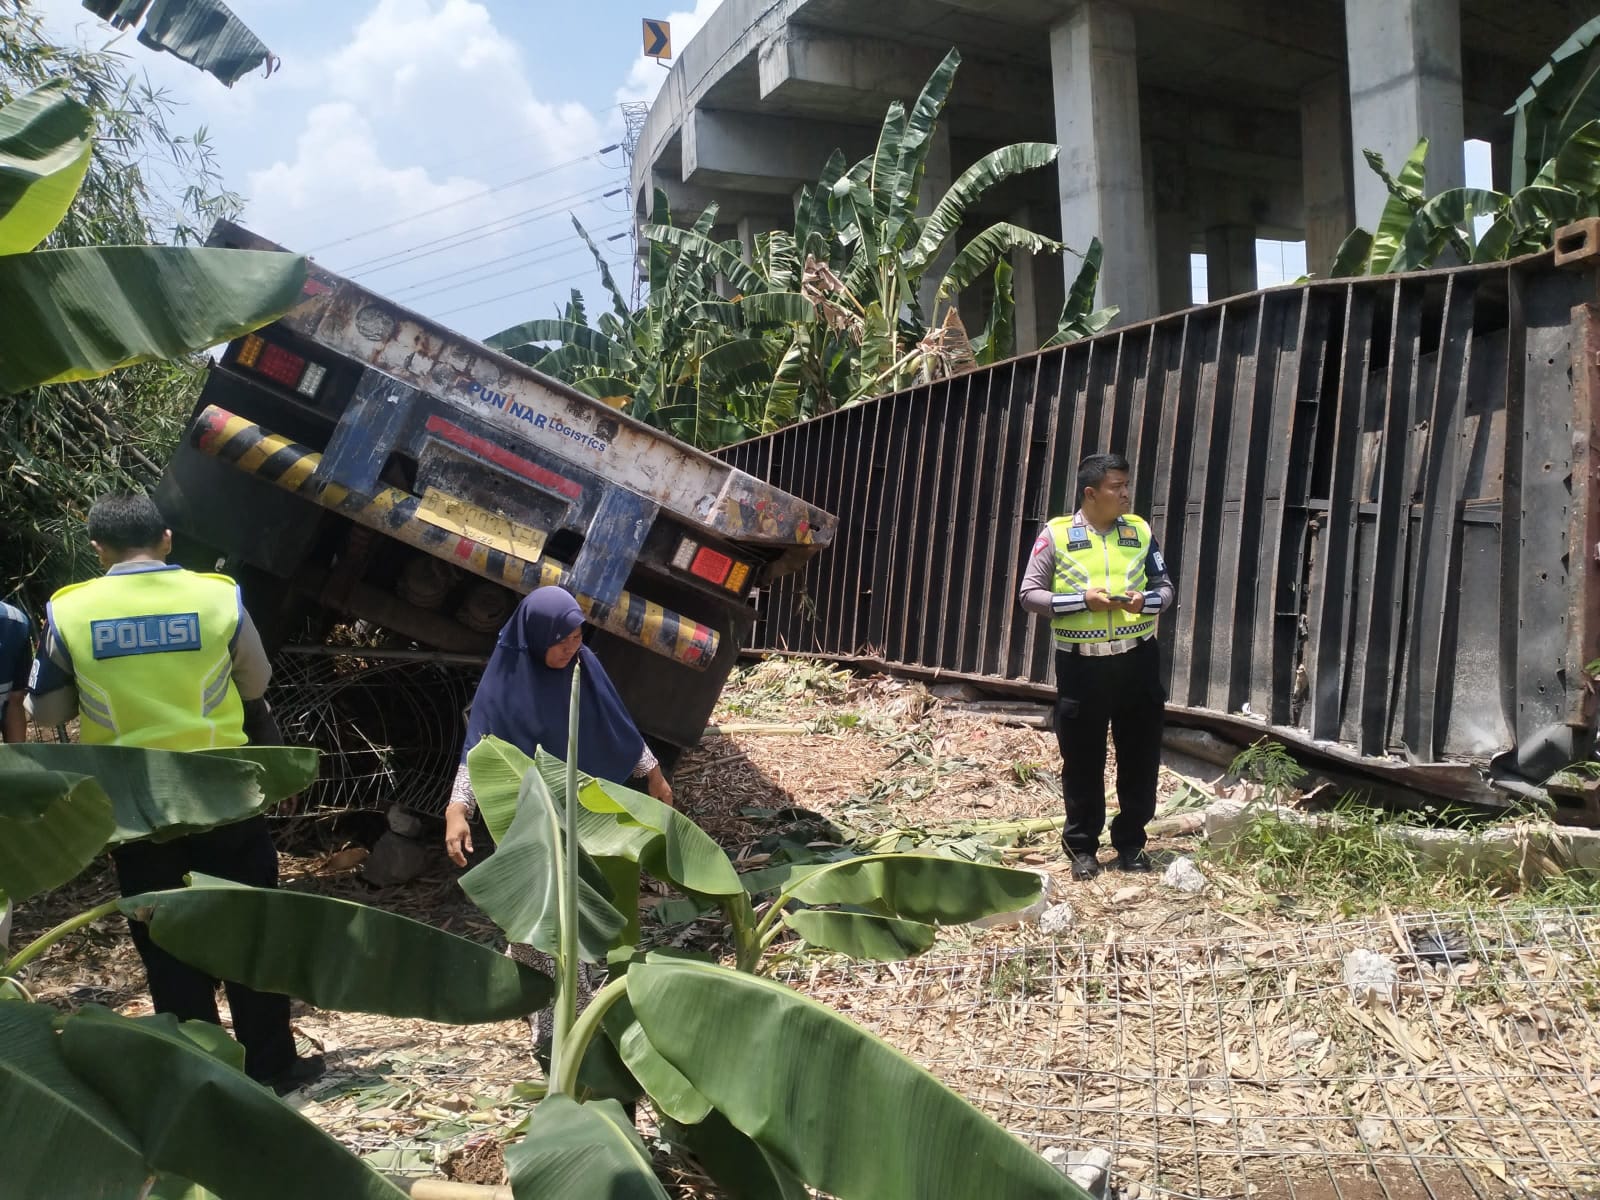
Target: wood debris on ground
(1205,1040)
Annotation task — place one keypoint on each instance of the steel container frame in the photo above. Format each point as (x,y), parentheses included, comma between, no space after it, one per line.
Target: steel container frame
(1377,495)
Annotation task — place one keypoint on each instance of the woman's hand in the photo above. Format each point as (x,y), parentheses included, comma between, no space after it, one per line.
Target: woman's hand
(457,833)
(656,784)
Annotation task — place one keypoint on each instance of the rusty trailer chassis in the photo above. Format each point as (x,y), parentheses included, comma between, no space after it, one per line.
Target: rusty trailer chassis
(1378,497)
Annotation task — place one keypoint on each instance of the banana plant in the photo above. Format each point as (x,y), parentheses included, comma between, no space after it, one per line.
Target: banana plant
(96,1104)
(82,312)
(765,1115)
(1555,179)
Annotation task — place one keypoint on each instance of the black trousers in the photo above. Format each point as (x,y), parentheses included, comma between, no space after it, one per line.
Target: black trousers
(243,853)
(1123,691)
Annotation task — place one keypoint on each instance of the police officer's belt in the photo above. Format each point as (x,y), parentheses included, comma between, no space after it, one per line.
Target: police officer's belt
(1103,649)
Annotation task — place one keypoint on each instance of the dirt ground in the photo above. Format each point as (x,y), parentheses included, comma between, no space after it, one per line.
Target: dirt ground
(809,755)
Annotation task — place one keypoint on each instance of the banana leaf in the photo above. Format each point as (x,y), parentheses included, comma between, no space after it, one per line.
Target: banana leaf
(809,1087)
(697,247)
(163,794)
(998,341)
(84,312)
(1576,167)
(619,302)
(336,954)
(549,329)
(883,176)
(574,1149)
(45,147)
(1563,94)
(916,139)
(978,255)
(191,1114)
(1444,218)
(862,935)
(516,885)
(920,887)
(57,1136)
(740,1168)
(968,190)
(670,1093)
(52,825)
(1354,256)
(1405,198)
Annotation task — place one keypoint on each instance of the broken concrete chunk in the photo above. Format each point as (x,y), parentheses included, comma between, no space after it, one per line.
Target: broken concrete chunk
(1127,895)
(1371,978)
(1089,1169)
(1058,918)
(1304,1039)
(1182,875)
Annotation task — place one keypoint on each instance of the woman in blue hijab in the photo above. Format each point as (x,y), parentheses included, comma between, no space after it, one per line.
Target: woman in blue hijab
(524,698)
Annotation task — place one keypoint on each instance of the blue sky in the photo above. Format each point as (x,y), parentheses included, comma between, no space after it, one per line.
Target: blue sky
(490,112)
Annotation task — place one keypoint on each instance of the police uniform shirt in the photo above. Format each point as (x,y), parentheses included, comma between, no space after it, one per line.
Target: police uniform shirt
(53,698)
(1038,594)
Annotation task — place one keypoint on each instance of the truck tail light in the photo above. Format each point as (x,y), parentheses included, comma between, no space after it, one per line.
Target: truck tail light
(715,567)
(280,365)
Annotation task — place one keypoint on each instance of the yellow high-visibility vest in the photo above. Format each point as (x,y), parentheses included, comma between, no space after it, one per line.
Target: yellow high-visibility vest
(1114,561)
(152,658)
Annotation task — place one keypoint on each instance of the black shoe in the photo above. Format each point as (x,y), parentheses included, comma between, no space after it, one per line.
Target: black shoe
(1085,866)
(297,1074)
(1136,860)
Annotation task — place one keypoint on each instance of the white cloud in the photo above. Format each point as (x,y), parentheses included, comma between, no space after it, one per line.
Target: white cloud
(646,75)
(428,104)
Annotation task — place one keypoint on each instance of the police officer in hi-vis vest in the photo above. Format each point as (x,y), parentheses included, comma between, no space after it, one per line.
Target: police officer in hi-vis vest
(156,656)
(1100,578)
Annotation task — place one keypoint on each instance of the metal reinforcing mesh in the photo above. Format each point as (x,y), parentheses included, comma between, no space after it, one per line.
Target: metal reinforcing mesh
(389,727)
(1242,1066)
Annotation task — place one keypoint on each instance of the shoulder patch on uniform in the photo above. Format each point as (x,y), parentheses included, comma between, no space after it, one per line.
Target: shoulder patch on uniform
(1159,563)
(157,634)
(1044,539)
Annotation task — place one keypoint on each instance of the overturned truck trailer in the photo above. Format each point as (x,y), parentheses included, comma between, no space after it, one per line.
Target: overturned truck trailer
(1378,497)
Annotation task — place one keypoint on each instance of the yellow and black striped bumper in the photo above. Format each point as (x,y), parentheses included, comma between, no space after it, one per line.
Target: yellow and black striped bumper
(405,517)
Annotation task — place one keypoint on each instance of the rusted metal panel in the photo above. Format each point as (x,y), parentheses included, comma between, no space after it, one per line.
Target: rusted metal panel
(1381,499)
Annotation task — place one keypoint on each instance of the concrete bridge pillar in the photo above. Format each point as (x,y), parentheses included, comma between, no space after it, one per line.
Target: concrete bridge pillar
(1405,84)
(1230,261)
(1096,83)
(1325,170)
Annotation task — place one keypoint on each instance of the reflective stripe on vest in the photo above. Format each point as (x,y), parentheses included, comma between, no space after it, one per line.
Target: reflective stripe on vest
(152,658)
(1115,562)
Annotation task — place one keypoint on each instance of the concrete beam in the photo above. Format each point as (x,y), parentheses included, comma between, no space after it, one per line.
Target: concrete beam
(763,154)
(688,201)
(1328,187)
(801,66)
(1405,84)
(1094,61)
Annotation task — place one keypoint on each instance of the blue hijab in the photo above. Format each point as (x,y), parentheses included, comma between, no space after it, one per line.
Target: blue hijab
(524,702)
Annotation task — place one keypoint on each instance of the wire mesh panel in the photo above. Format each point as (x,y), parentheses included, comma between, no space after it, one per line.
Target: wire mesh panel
(1376,496)
(389,724)
(1244,1066)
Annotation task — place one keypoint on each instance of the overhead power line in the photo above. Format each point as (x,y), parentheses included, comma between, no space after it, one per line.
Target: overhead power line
(476,233)
(467,199)
(538,287)
(427,287)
